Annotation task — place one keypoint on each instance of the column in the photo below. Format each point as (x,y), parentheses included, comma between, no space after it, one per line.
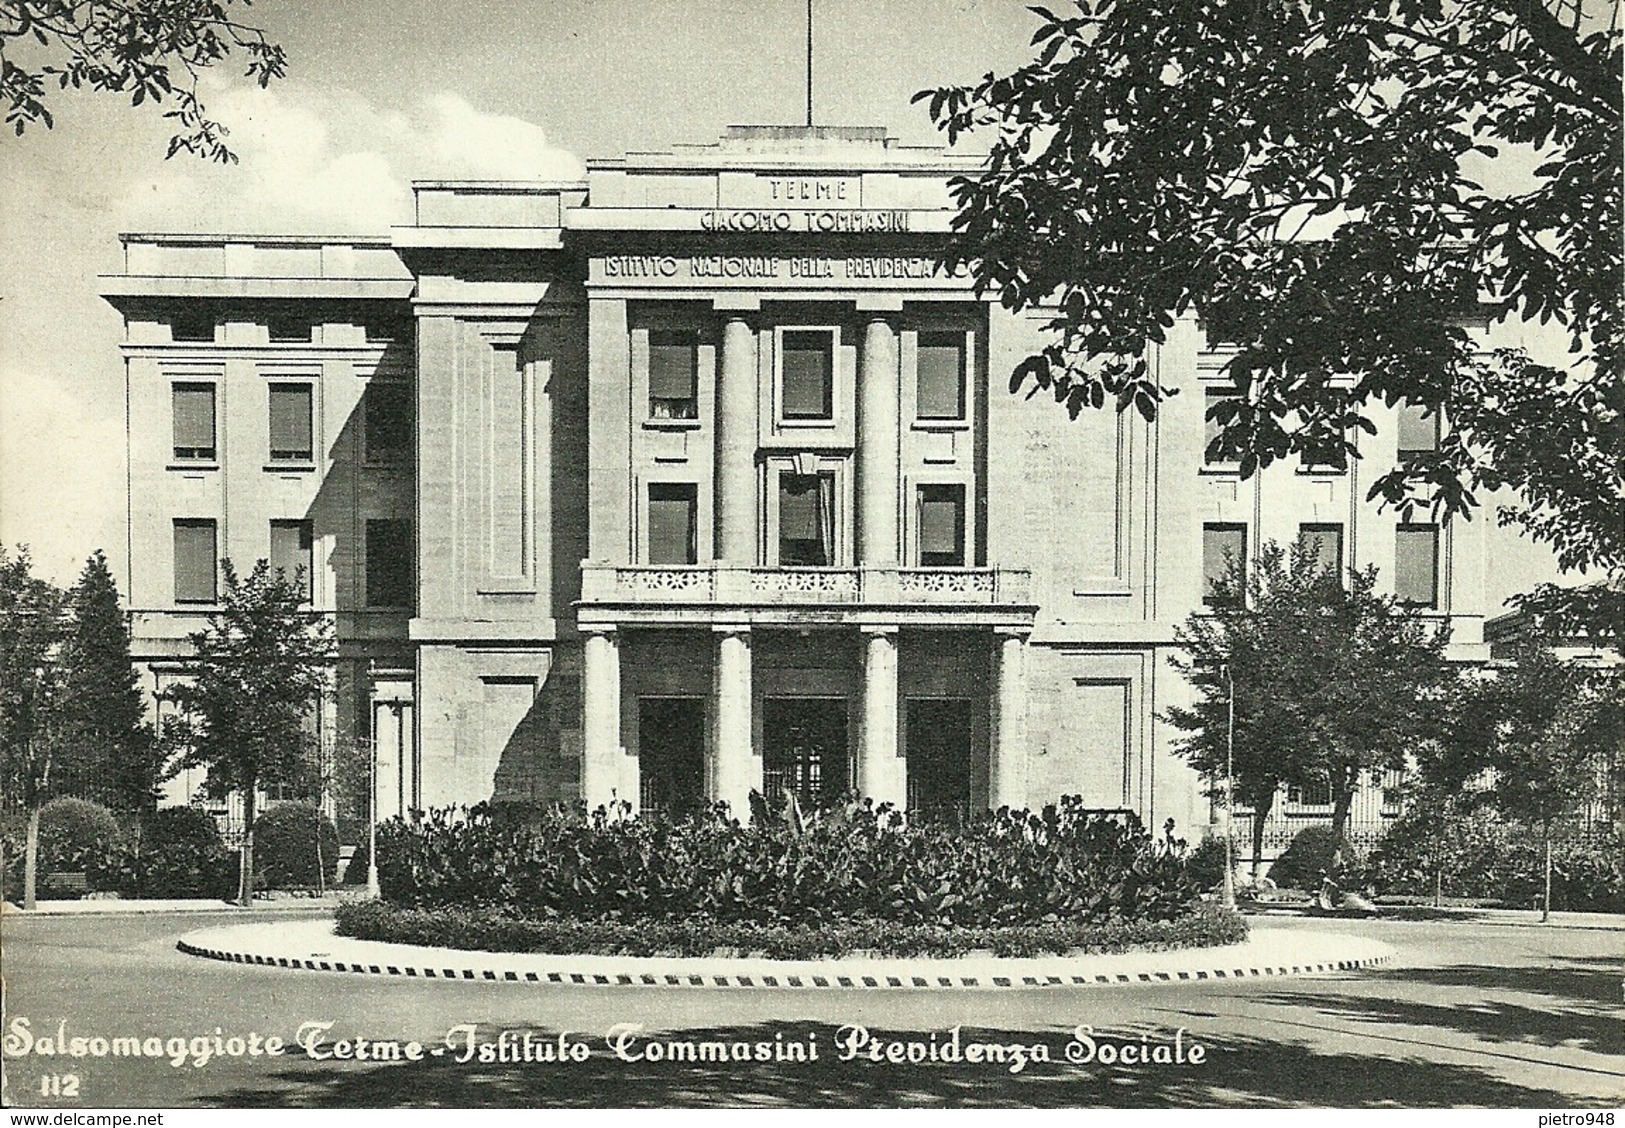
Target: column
(878,458)
(601,718)
(1007,766)
(734,771)
(882,771)
(736,445)
(609,425)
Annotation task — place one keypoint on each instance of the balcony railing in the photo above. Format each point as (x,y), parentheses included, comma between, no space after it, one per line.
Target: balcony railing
(645,583)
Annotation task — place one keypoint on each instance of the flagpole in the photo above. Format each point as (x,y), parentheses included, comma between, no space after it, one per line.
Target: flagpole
(809,63)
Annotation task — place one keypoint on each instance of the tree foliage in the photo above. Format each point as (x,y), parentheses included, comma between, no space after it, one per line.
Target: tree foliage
(107,751)
(1335,188)
(31,633)
(148,50)
(246,714)
(1333,683)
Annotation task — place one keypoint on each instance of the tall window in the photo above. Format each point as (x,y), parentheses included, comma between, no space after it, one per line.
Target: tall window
(1416,565)
(193,410)
(388,422)
(290,423)
(1321,547)
(291,554)
(196,554)
(942,526)
(940,376)
(806,520)
(807,368)
(1211,427)
(1418,431)
(672,508)
(389,562)
(1224,562)
(673,374)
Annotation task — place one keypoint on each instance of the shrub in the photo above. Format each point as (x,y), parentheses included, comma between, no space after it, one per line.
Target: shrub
(179,854)
(75,836)
(1306,856)
(1205,864)
(487,929)
(285,840)
(1064,864)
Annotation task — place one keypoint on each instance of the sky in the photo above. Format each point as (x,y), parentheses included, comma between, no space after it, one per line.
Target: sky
(383,92)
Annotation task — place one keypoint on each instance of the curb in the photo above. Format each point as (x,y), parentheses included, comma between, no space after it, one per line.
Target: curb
(787,976)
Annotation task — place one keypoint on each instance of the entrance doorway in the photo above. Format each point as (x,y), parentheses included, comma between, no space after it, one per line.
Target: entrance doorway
(671,754)
(939,756)
(805,750)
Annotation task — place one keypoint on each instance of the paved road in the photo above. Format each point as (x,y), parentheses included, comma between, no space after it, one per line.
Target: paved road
(1468,1015)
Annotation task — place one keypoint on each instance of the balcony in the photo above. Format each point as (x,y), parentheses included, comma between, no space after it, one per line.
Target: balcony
(702,594)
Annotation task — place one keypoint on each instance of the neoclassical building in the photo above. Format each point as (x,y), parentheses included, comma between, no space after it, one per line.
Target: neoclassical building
(700,477)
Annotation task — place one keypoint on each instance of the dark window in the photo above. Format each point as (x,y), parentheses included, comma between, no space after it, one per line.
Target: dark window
(939,757)
(290,423)
(1418,431)
(671,754)
(671,523)
(1321,547)
(288,328)
(804,750)
(1224,563)
(196,555)
(673,374)
(193,408)
(389,562)
(942,526)
(1211,427)
(1326,462)
(291,554)
(940,376)
(191,327)
(1416,565)
(388,422)
(808,365)
(806,520)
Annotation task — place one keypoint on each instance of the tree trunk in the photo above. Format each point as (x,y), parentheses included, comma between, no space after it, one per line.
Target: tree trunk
(1342,803)
(31,860)
(1546,901)
(245,875)
(1261,811)
(1438,863)
(321,873)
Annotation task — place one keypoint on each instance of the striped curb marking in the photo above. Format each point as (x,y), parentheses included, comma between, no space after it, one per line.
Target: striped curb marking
(695,979)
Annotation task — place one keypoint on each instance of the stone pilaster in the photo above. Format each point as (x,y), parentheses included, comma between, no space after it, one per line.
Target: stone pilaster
(1007,766)
(882,772)
(735,770)
(736,399)
(878,462)
(601,720)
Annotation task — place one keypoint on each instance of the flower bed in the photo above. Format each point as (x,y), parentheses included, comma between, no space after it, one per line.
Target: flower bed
(1064,866)
(486,929)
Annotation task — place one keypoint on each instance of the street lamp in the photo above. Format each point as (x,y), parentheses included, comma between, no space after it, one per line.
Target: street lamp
(1228,895)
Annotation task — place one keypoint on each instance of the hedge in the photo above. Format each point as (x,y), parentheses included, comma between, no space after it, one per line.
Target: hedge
(486,929)
(285,846)
(1064,864)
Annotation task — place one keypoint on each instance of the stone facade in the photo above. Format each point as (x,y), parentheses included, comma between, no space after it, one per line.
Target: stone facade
(716,486)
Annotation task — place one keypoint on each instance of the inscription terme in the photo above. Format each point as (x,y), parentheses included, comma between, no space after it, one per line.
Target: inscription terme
(767,268)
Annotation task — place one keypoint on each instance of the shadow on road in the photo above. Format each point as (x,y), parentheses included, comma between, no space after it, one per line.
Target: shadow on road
(1238,1072)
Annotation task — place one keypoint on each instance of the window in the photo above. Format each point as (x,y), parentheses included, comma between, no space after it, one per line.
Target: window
(1418,432)
(288,328)
(1321,547)
(806,520)
(1326,462)
(1315,793)
(196,555)
(940,376)
(807,369)
(942,526)
(291,554)
(1212,427)
(193,409)
(671,523)
(191,327)
(389,562)
(388,422)
(1224,563)
(290,423)
(1416,565)
(673,374)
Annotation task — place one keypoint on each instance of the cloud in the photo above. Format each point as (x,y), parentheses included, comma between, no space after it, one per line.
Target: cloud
(336,162)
